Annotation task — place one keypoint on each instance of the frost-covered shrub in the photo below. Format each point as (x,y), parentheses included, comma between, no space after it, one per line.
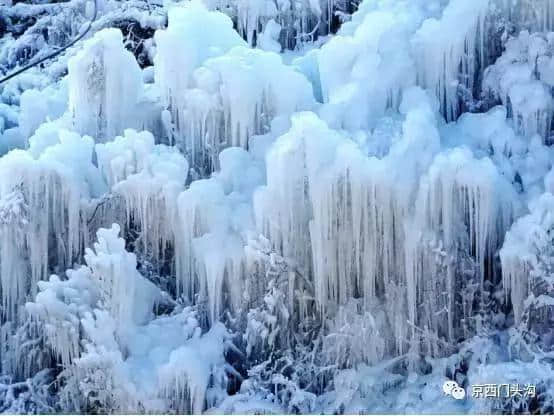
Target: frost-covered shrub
(528,263)
(92,322)
(267,327)
(59,307)
(31,396)
(354,337)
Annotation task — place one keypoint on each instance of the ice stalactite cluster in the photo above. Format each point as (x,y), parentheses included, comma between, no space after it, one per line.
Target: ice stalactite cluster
(105,85)
(174,71)
(264,75)
(252,15)
(220,92)
(289,223)
(537,15)
(360,231)
(214,218)
(443,63)
(522,80)
(43,229)
(373,57)
(458,214)
(299,21)
(149,178)
(526,256)
(50,188)
(100,317)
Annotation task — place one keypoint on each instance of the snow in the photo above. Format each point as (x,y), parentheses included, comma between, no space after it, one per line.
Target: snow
(520,78)
(526,243)
(223,92)
(40,106)
(361,74)
(174,70)
(126,294)
(254,208)
(105,84)
(109,291)
(148,177)
(439,58)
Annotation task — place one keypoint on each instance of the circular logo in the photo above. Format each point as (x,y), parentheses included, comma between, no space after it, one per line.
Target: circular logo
(451,388)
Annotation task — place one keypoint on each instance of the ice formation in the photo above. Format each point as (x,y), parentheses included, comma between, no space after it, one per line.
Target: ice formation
(105,85)
(459,211)
(50,187)
(521,79)
(223,92)
(61,304)
(112,304)
(303,231)
(149,178)
(213,216)
(444,62)
(525,253)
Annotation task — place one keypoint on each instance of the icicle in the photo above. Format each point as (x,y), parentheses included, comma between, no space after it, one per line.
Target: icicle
(252,87)
(149,178)
(533,15)
(214,216)
(180,51)
(338,214)
(521,79)
(105,84)
(59,307)
(527,243)
(50,189)
(220,261)
(223,93)
(201,210)
(459,193)
(191,369)
(251,14)
(439,58)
